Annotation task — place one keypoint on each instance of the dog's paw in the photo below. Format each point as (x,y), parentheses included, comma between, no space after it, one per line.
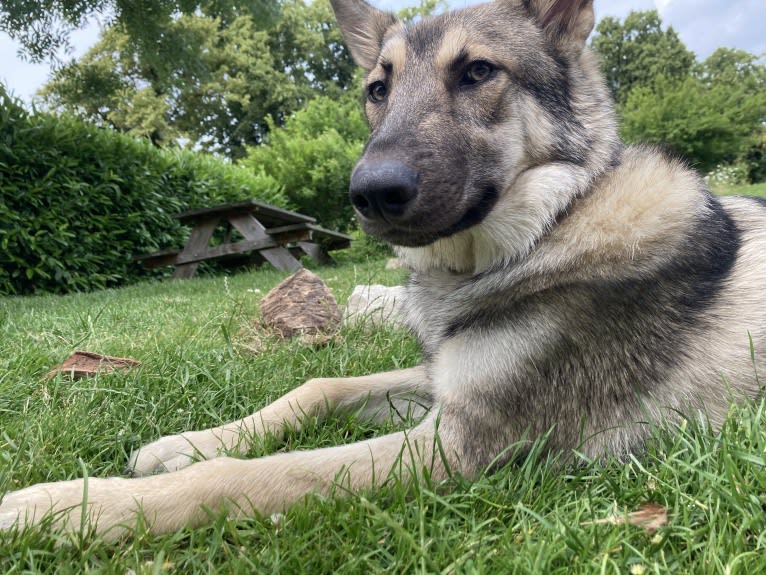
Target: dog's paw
(63,503)
(174,452)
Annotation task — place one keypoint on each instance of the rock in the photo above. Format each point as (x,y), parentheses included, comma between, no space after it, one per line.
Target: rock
(375,305)
(301,306)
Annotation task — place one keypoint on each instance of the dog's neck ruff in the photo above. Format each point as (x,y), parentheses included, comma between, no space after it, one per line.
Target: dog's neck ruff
(525,213)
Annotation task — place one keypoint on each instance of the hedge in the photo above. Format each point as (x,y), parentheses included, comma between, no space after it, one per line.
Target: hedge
(312,156)
(77,201)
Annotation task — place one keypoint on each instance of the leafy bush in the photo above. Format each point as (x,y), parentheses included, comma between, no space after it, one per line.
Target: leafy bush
(312,157)
(364,248)
(77,201)
(714,116)
(726,176)
(709,126)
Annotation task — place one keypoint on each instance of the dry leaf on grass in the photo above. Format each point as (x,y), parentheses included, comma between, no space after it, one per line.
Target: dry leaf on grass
(650,516)
(87,364)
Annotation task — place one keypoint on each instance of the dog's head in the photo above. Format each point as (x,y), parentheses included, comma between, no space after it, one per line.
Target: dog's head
(460,105)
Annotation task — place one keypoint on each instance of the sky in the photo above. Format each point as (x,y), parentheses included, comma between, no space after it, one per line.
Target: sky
(703,26)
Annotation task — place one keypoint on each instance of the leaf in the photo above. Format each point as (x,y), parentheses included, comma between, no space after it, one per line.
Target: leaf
(650,516)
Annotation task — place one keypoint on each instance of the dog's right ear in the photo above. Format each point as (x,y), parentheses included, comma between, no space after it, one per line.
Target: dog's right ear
(363,28)
(567,21)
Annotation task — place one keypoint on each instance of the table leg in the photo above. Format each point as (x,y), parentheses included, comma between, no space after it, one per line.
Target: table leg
(317,253)
(280,257)
(198,240)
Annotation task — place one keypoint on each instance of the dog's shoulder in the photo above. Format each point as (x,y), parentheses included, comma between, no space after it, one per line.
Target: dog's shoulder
(638,216)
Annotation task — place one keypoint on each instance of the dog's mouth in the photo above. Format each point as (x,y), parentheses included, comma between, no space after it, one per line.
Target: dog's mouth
(427,221)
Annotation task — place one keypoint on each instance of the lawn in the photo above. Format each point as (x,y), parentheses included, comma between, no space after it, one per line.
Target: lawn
(194,339)
(745,190)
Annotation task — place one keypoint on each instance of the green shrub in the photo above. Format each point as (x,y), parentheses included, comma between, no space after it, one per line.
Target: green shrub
(364,248)
(77,201)
(726,176)
(312,156)
(714,116)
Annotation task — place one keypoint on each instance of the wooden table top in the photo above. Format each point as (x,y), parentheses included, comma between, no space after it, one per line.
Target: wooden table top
(268,215)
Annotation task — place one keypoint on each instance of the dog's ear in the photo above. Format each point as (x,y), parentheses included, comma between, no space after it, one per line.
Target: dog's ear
(363,28)
(567,21)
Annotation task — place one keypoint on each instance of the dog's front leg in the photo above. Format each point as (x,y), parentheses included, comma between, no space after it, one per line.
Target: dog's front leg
(372,395)
(168,502)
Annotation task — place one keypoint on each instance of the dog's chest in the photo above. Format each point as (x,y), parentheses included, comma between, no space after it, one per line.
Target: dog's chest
(432,304)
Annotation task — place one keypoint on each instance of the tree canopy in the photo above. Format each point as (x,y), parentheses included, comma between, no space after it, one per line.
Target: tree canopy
(713,116)
(208,81)
(712,112)
(43,26)
(218,75)
(637,50)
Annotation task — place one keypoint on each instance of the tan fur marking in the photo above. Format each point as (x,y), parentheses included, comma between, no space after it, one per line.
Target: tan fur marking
(453,42)
(313,399)
(264,485)
(394,53)
(643,205)
(456,42)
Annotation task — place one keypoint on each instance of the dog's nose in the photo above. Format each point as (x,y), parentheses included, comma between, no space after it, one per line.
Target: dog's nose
(382,189)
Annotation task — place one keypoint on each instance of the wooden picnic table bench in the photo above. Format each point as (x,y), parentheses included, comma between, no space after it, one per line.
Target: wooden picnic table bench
(270,233)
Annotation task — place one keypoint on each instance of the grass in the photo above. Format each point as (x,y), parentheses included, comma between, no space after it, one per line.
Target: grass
(530,517)
(744,190)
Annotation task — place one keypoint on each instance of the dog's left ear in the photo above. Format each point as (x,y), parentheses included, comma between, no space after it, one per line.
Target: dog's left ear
(565,21)
(363,28)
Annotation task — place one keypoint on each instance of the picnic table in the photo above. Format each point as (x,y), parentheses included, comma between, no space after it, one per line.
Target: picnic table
(269,233)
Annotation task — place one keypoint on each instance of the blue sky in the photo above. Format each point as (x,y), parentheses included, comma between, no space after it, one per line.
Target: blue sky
(703,25)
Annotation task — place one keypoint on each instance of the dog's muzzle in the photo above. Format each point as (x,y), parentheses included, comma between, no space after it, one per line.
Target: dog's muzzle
(383,189)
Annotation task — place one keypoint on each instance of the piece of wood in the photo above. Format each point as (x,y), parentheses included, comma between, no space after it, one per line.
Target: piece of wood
(280,257)
(198,241)
(158,259)
(321,243)
(284,235)
(268,215)
(329,239)
(224,250)
(301,306)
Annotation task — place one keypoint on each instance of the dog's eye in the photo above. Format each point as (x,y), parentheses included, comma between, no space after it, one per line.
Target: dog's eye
(376,91)
(476,72)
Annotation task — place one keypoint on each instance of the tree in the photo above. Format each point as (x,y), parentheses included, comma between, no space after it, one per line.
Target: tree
(208,81)
(43,26)
(637,51)
(716,115)
(312,156)
(421,10)
(308,47)
(745,76)
(211,79)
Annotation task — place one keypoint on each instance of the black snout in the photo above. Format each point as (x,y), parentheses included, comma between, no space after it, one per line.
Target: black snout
(383,189)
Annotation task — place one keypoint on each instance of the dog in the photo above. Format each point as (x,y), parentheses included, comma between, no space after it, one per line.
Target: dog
(563,284)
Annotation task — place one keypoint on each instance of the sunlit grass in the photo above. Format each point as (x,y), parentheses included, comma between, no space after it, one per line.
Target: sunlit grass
(744,190)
